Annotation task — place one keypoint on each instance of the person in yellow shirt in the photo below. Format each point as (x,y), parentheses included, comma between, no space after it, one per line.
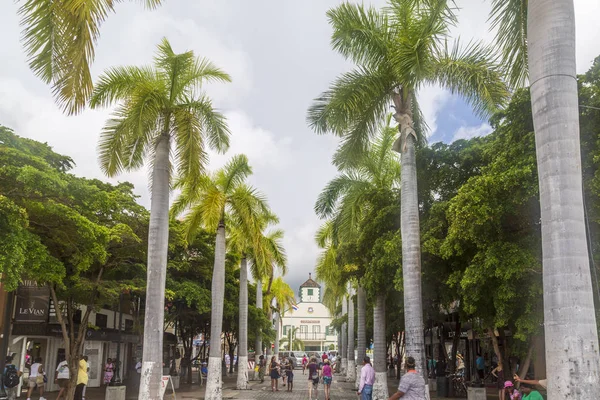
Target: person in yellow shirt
(82,379)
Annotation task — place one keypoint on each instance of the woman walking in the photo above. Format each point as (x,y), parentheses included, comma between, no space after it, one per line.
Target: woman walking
(37,378)
(498,372)
(109,369)
(327,378)
(313,378)
(274,372)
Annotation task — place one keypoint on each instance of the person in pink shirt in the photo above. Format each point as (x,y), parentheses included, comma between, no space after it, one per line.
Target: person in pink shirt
(513,394)
(367,380)
(327,377)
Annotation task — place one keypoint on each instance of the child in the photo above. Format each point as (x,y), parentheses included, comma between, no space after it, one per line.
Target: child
(289,372)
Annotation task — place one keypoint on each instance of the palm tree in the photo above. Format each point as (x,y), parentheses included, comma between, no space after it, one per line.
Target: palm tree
(59,38)
(281,298)
(362,336)
(380,389)
(397,51)
(294,344)
(158,105)
(214,201)
(351,372)
(243,243)
(537,37)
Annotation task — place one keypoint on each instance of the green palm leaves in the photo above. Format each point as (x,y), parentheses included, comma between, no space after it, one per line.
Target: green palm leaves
(166,100)
(397,50)
(59,37)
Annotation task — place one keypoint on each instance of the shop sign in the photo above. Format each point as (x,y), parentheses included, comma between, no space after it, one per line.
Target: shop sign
(310,321)
(32,302)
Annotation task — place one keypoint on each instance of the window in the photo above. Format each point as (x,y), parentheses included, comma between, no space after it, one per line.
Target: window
(101,320)
(285,330)
(327,330)
(310,292)
(128,325)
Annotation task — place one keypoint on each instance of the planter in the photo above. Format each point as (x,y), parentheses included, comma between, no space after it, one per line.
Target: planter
(115,392)
(476,393)
(432,385)
(442,384)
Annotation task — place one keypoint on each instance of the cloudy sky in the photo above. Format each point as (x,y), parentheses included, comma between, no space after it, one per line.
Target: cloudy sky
(278,53)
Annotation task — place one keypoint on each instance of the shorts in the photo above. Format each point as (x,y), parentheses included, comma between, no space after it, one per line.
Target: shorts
(327,380)
(31,383)
(290,378)
(63,383)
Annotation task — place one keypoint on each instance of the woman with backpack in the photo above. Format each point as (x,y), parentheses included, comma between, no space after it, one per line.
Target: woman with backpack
(37,377)
(314,375)
(62,378)
(12,378)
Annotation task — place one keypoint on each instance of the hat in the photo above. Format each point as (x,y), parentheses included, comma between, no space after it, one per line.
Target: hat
(508,384)
(327,361)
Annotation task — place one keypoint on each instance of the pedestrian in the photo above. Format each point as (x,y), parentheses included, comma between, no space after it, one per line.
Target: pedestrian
(529,393)
(313,377)
(37,378)
(498,372)
(274,373)
(62,378)
(289,372)
(261,368)
(87,371)
(109,370)
(327,378)
(304,363)
(282,369)
(412,384)
(82,379)
(11,379)
(367,380)
(513,394)
(480,365)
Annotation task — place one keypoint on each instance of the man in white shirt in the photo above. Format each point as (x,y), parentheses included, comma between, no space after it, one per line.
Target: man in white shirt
(62,377)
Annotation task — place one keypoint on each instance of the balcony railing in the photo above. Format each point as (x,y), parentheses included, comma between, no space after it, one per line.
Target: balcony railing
(310,335)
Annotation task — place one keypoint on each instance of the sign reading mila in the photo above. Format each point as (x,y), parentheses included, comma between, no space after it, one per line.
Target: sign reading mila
(32,302)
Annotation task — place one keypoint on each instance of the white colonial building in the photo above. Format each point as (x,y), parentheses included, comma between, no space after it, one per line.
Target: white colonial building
(310,320)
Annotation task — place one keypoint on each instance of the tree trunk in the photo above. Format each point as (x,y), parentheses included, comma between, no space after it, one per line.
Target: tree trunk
(270,318)
(411,246)
(214,390)
(276,350)
(380,389)
(158,241)
(351,372)
(242,372)
(259,306)
(496,347)
(344,354)
(362,336)
(571,334)
(525,366)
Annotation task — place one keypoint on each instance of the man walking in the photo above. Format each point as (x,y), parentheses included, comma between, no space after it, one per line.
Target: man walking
(412,384)
(367,379)
(11,379)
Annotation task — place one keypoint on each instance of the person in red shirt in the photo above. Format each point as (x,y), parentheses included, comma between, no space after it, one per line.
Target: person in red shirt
(324,356)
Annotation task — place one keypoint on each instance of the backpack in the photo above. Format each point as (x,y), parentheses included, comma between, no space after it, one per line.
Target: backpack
(11,378)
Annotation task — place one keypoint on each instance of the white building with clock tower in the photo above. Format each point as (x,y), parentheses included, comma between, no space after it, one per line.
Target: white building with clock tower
(309,321)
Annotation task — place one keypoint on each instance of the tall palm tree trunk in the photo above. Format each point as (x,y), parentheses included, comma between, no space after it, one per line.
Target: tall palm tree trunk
(258,341)
(214,389)
(380,389)
(242,373)
(351,372)
(569,319)
(411,243)
(276,350)
(344,354)
(158,242)
(362,336)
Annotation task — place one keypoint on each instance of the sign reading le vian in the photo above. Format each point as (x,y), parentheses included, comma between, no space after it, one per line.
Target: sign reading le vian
(32,302)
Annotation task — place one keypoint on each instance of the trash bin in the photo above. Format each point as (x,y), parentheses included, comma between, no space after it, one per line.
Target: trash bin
(175,380)
(115,392)
(442,384)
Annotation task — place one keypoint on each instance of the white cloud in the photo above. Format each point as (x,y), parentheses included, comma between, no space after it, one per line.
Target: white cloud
(469,132)
(431,100)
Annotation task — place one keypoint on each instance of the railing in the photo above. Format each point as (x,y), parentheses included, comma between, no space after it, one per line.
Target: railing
(310,335)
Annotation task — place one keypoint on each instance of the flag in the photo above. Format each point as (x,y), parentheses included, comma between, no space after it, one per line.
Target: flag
(294,307)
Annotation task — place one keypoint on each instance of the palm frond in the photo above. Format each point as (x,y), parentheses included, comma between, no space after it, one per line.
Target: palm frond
(213,123)
(117,83)
(190,155)
(337,188)
(234,173)
(198,71)
(509,17)
(359,33)
(471,71)
(324,234)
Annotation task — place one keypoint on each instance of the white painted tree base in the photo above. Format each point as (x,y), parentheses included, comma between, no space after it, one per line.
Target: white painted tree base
(351,371)
(242,375)
(214,386)
(149,388)
(344,365)
(380,389)
(427,393)
(357,380)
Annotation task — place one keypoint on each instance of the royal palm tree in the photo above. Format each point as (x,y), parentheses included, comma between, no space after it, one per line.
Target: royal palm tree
(397,51)
(361,300)
(380,388)
(537,38)
(281,298)
(294,344)
(159,105)
(214,201)
(351,372)
(59,38)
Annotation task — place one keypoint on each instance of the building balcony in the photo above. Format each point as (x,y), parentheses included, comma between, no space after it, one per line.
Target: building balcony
(310,335)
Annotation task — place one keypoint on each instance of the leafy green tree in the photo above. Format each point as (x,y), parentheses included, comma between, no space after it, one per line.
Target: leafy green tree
(537,41)
(159,105)
(214,201)
(398,50)
(59,38)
